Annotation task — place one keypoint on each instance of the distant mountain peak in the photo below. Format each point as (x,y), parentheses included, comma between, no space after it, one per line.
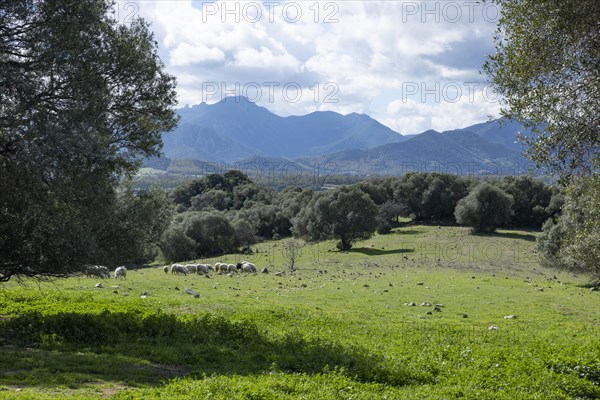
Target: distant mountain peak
(248,129)
(430,132)
(235,99)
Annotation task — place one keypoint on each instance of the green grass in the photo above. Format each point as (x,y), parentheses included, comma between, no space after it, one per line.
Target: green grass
(339,327)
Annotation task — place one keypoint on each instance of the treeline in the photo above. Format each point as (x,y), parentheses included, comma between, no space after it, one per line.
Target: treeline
(223,213)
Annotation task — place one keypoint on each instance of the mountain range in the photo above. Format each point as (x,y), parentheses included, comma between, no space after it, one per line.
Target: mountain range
(236,130)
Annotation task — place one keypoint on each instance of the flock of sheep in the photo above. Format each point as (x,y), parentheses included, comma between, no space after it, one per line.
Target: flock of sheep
(219,268)
(103,272)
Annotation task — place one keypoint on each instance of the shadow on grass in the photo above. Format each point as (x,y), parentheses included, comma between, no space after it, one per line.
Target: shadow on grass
(80,348)
(408,231)
(509,235)
(371,251)
(72,367)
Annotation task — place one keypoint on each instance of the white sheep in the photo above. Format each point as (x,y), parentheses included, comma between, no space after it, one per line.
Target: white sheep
(203,269)
(220,267)
(191,268)
(97,270)
(120,272)
(231,268)
(251,266)
(246,266)
(178,269)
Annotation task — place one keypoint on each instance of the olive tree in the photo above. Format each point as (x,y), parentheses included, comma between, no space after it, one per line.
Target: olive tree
(547,70)
(485,208)
(347,214)
(571,239)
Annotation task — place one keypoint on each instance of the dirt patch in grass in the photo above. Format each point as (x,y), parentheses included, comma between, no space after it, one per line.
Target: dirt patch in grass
(113,390)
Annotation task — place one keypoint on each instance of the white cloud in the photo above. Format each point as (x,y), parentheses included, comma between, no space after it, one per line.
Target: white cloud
(186,54)
(410,116)
(369,57)
(264,56)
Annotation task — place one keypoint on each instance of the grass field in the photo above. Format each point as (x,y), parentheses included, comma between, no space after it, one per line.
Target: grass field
(342,326)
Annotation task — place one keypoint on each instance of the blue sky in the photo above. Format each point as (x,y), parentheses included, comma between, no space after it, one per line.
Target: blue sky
(412,65)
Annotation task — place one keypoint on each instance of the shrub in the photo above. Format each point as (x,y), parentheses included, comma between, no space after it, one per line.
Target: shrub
(485,208)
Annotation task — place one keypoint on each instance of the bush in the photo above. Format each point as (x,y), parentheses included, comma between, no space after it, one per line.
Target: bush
(346,213)
(485,208)
(211,232)
(430,196)
(176,245)
(534,201)
(571,241)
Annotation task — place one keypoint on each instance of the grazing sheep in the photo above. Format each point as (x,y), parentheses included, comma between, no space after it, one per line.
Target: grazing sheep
(191,268)
(166,269)
(252,266)
(220,267)
(231,268)
(246,266)
(90,271)
(120,272)
(178,269)
(96,271)
(203,269)
(104,270)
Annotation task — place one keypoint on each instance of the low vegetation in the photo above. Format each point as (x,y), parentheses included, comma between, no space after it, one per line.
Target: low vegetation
(423,312)
(244,213)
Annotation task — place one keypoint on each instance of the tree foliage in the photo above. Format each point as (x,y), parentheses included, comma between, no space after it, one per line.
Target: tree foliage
(388,216)
(430,196)
(134,226)
(176,245)
(534,202)
(82,100)
(256,213)
(571,240)
(547,70)
(347,214)
(485,208)
(198,234)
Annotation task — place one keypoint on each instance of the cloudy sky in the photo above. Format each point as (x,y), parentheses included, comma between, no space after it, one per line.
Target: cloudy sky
(412,65)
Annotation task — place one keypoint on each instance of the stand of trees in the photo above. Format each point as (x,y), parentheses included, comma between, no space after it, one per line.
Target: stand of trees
(222,213)
(82,100)
(81,107)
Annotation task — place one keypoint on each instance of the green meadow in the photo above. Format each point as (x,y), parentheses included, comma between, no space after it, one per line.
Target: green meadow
(425,312)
